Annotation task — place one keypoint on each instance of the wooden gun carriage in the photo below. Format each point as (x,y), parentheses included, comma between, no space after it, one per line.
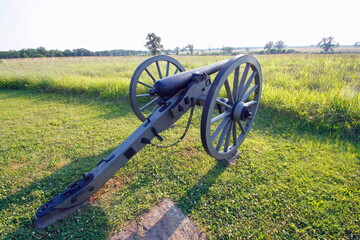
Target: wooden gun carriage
(161,91)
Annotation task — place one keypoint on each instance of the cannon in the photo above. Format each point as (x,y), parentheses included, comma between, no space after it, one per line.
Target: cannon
(161,91)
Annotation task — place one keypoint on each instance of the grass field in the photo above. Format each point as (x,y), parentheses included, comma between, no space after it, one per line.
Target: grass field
(323,89)
(298,175)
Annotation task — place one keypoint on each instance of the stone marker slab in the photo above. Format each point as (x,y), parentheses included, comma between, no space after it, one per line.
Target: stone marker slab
(165,221)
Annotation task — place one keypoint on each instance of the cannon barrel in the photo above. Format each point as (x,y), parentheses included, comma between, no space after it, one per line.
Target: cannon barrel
(173,84)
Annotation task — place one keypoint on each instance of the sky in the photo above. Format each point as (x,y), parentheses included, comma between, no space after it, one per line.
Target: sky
(120,24)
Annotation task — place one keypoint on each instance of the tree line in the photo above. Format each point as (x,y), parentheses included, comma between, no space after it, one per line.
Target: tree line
(155,47)
(80,52)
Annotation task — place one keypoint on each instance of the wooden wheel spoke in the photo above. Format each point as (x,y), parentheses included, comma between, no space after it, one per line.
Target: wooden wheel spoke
(247,95)
(159,70)
(243,78)
(228,136)
(248,104)
(228,92)
(218,117)
(149,103)
(143,95)
(145,84)
(167,68)
(218,101)
(236,83)
(247,85)
(177,69)
(241,126)
(234,133)
(222,136)
(149,73)
(219,128)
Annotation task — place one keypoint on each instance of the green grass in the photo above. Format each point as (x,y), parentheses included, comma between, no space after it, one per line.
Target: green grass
(322,89)
(292,180)
(298,175)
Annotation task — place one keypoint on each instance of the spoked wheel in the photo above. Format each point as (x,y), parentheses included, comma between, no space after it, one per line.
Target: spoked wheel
(144,77)
(230,106)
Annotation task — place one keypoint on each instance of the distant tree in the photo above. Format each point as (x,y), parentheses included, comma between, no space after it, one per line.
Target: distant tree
(167,52)
(41,51)
(68,53)
(357,44)
(247,49)
(279,45)
(23,53)
(54,53)
(154,44)
(176,50)
(327,44)
(227,50)
(269,46)
(83,52)
(32,53)
(191,48)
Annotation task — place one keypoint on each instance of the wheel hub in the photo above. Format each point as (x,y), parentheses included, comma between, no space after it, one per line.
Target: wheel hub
(241,112)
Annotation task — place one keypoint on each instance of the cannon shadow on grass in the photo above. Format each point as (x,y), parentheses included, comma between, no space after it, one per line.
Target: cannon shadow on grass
(78,227)
(194,194)
(188,202)
(82,224)
(273,122)
(170,222)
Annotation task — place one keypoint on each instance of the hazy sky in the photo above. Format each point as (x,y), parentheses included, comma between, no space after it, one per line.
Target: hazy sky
(111,24)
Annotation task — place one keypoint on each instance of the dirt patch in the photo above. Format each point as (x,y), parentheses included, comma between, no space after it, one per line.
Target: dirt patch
(112,185)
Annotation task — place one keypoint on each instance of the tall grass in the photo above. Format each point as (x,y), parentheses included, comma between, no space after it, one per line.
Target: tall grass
(322,89)
(107,77)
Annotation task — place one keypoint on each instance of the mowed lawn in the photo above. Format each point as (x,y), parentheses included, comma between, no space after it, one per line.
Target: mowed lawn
(297,177)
